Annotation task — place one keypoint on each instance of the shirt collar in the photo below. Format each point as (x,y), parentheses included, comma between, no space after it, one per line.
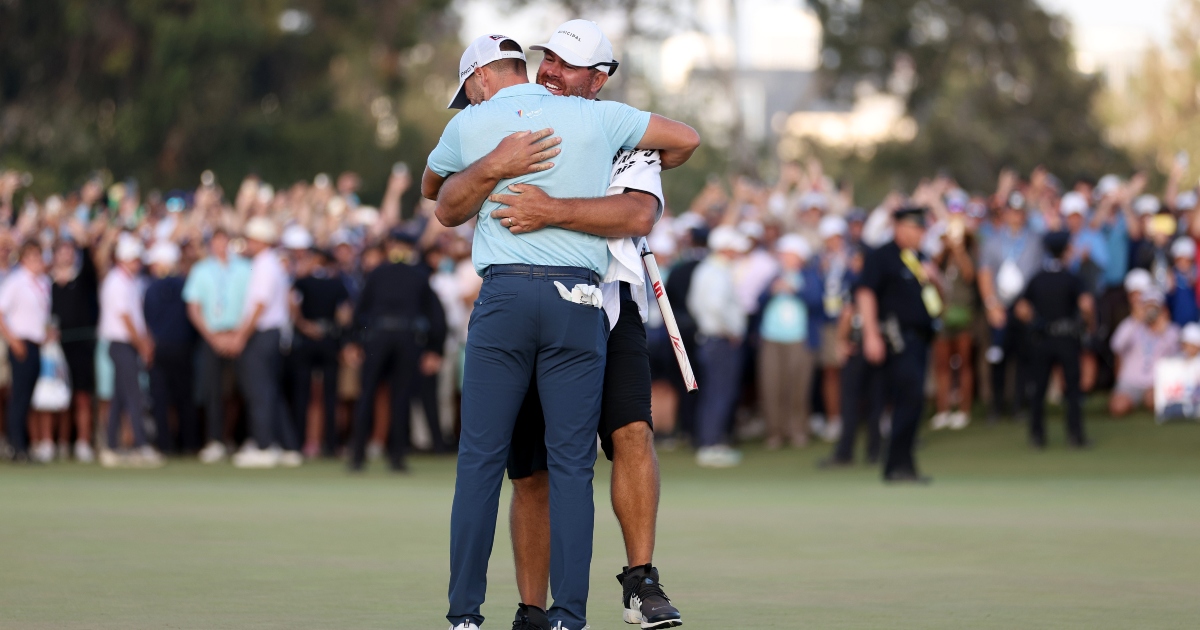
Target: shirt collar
(521,89)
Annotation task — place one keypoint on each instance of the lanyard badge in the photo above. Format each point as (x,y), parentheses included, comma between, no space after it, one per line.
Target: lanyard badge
(929,294)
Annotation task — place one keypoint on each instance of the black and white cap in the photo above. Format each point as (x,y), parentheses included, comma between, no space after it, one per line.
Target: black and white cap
(484,50)
(581,43)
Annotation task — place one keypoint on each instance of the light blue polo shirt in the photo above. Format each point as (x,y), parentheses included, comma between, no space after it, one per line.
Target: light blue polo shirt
(592,132)
(220,290)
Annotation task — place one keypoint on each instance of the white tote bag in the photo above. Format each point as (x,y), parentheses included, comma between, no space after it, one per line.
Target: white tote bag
(53,390)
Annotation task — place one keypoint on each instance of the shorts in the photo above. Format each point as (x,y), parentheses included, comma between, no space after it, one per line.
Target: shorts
(81,364)
(1136,394)
(829,347)
(625,400)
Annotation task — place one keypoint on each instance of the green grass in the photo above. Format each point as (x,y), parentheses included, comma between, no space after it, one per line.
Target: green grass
(1006,539)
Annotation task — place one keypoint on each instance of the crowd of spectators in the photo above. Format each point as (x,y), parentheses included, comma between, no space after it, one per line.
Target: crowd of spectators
(225,326)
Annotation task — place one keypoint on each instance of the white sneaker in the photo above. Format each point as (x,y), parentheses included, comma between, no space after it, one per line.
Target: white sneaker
(213,453)
(146,457)
(940,420)
(43,452)
(291,459)
(816,423)
(84,453)
(110,459)
(959,420)
(254,457)
(719,456)
(833,429)
(465,626)
(374,451)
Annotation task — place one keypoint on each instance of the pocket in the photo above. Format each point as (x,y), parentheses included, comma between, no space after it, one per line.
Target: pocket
(495,298)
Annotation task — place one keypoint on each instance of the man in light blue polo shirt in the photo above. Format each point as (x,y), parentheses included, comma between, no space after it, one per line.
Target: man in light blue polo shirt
(538,315)
(215,293)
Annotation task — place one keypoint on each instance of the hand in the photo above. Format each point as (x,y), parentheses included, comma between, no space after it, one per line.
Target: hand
(843,351)
(352,354)
(873,348)
(522,153)
(18,349)
(527,211)
(145,348)
(309,329)
(996,316)
(1023,311)
(780,286)
(431,363)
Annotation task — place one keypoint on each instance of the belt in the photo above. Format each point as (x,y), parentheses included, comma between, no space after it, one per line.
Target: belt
(393,324)
(546,271)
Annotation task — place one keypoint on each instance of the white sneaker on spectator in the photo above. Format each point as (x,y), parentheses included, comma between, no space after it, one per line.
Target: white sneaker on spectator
(43,452)
(959,420)
(940,420)
(291,459)
(110,459)
(816,423)
(213,453)
(466,625)
(374,451)
(84,453)
(833,429)
(254,457)
(719,456)
(146,457)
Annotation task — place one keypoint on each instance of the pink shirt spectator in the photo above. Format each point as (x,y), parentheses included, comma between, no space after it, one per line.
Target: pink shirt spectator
(269,285)
(25,303)
(120,294)
(1139,348)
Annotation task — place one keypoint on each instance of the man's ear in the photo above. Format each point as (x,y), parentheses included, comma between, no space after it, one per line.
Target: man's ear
(598,81)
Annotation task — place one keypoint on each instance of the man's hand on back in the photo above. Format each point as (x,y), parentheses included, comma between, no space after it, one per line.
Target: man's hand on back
(522,153)
(529,210)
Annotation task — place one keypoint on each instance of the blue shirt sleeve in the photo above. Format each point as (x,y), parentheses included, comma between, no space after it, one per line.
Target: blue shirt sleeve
(191,288)
(446,158)
(623,125)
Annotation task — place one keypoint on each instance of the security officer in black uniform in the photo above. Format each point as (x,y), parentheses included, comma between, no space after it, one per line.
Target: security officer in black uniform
(402,328)
(898,301)
(1055,306)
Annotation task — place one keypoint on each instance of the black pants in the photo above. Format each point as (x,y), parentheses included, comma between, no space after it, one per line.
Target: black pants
(1048,352)
(426,387)
(24,379)
(1017,354)
(127,394)
(390,355)
(261,379)
(307,356)
(210,386)
(171,387)
(904,382)
(862,405)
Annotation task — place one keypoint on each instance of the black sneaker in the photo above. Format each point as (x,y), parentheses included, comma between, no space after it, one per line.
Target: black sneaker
(644,599)
(531,618)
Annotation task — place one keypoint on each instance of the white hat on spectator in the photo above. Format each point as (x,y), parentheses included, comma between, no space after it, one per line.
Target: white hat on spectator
(1146,204)
(1106,186)
(687,222)
(1073,203)
(794,244)
(1186,200)
(1138,280)
(831,226)
(752,229)
(1191,334)
(129,247)
(163,253)
(296,237)
(1183,247)
(1153,295)
(662,238)
(261,229)
(340,237)
(728,238)
(813,199)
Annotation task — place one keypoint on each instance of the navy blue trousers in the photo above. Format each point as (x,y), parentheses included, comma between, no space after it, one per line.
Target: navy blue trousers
(722,361)
(24,379)
(904,375)
(521,329)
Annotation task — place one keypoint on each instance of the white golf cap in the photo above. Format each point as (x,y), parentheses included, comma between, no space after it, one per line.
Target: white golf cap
(794,244)
(1183,247)
(1138,280)
(484,50)
(813,200)
(1146,204)
(752,229)
(1073,203)
(581,43)
(129,247)
(1186,200)
(831,226)
(1153,295)
(1191,334)
(163,253)
(1106,186)
(296,237)
(726,237)
(261,229)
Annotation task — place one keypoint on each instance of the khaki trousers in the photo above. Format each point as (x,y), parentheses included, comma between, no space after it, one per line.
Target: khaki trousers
(785,376)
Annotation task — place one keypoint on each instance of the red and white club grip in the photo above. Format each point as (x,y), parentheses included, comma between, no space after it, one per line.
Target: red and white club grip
(664,305)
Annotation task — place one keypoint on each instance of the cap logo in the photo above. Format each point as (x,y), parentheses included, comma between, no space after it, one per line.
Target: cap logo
(469,70)
(497,37)
(572,35)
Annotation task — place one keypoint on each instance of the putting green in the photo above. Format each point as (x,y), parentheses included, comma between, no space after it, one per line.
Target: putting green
(1005,538)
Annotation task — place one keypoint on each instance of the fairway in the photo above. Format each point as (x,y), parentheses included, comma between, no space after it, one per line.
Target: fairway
(1006,538)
